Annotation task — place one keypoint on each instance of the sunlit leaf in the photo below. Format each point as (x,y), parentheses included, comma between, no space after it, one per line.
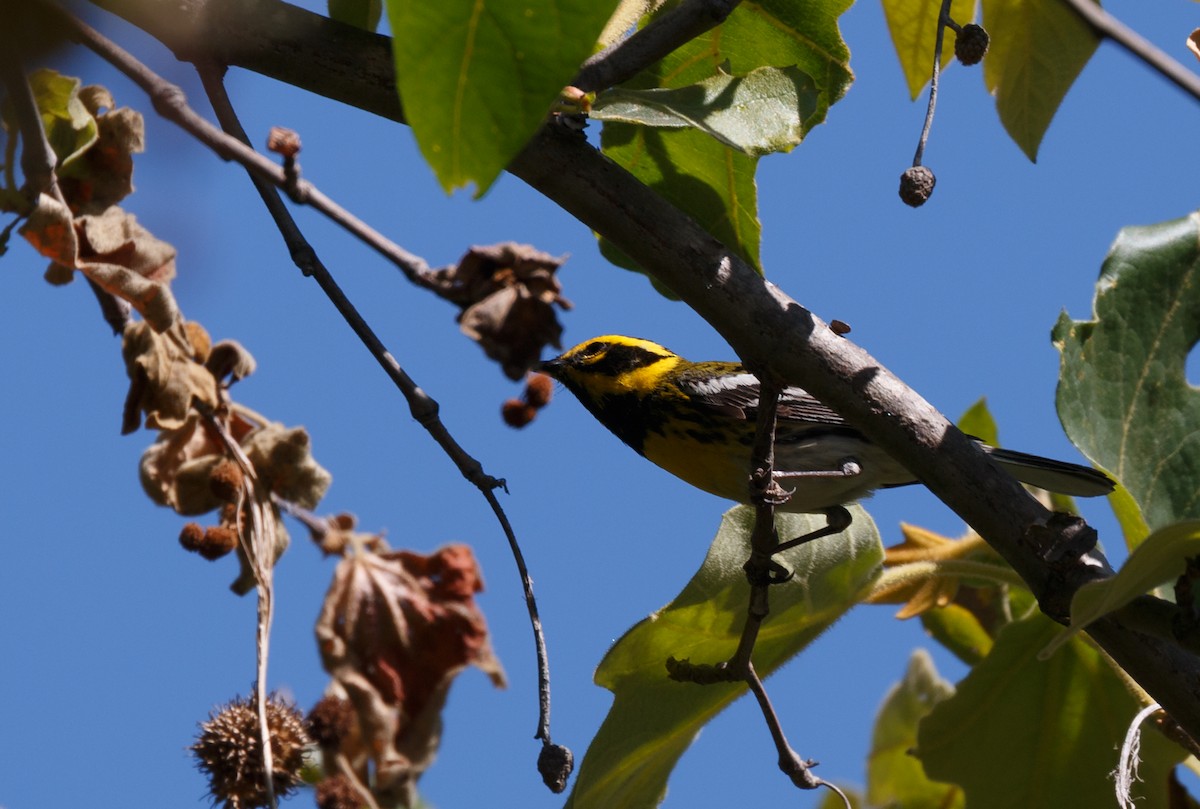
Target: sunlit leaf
(1024,734)
(978,422)
(654,719)
(913,26)
(759,113)
(477,77)
(1037,50)
(1123,395)
(894,776)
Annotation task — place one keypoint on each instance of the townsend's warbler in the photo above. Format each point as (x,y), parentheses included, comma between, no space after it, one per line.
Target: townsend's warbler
(697,421)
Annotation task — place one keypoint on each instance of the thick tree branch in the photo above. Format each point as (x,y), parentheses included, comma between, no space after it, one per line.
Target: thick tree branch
(772,333)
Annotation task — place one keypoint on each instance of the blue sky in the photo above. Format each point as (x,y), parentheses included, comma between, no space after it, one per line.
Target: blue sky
(118,642)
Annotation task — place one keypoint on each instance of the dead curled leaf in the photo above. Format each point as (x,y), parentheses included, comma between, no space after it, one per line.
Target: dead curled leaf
(167,374)
(394,631)
(103,174)
(283,461)
(507,293)
(112,250)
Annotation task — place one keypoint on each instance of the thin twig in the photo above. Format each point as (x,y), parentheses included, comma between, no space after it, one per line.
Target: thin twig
(422,406)
(625,59)
(170,102)
(1106,25)
(943,19)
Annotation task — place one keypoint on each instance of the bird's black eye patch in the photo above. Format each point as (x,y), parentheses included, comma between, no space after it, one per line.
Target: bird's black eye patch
(592,349)
(617,359)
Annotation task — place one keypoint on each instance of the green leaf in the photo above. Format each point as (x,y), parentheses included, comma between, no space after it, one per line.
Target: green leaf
(978,422)
(1037,49)
(654,719)
(894,776)
(1123,396)
(477,77)
(913,26)
(70,128)
(1161,558)
(1028,734)
(959,630)
(700,176)
(363,14)
(759,113)
(708,180)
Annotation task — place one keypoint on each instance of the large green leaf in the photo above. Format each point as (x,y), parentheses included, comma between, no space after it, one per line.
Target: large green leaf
(1123,396)
(699,175)
(1038,47)
(913,26)
(654,719)
(759,113)
(477,77)
(894,776)
(705,178)
(1023,734)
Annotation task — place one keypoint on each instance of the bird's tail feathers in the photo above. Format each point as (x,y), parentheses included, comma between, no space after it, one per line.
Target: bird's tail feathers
(1055,476)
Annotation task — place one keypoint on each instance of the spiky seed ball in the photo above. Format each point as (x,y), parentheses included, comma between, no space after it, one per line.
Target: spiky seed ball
(971,44)
(916,185)
(225,481)
(330,720)
(336,792)
(538,390)
(517,413)
(229,751)
(192,536)
(218,541)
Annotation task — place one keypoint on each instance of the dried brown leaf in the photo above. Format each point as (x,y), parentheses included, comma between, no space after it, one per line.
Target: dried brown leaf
(175,469)
(507,293)
(394,631)
(112,250)
(283,461)
(103,175)
(165,376)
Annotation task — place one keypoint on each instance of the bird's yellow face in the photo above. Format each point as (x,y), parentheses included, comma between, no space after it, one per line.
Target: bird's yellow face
(611,365)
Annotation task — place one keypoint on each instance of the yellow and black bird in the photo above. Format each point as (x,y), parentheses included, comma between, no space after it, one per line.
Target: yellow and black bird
(697,421)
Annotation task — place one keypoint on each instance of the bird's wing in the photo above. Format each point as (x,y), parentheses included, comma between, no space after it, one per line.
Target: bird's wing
(733,392)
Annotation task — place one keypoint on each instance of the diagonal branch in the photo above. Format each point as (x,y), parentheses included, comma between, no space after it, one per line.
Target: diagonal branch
(767,328)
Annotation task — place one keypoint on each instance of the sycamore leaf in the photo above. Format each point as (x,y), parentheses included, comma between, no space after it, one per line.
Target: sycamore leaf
(282,459)
(69,127)
(1054,725)
(759,113)
(1123,395)
(913,27)
(478,77)
(894,776)
(1161,558)
(978,422)
(654,719)
(1037,50)
(395,629)
(103,175)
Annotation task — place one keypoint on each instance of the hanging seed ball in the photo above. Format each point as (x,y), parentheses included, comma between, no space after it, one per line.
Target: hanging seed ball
(971,44)
(329,721)
(916,185)
(517,413)
(336,792)
(218,541)
(192,536)
(538,390)
(225,481)
(229,751)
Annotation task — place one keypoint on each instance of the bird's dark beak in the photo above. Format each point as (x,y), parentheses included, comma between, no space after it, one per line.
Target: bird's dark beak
(552,368)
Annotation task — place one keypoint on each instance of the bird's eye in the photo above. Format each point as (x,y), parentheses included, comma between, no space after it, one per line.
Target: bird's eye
(592,350)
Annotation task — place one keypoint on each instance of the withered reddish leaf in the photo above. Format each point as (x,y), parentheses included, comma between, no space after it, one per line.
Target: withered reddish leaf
(507,293)
(165,374)
(394,631)
(283,461)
